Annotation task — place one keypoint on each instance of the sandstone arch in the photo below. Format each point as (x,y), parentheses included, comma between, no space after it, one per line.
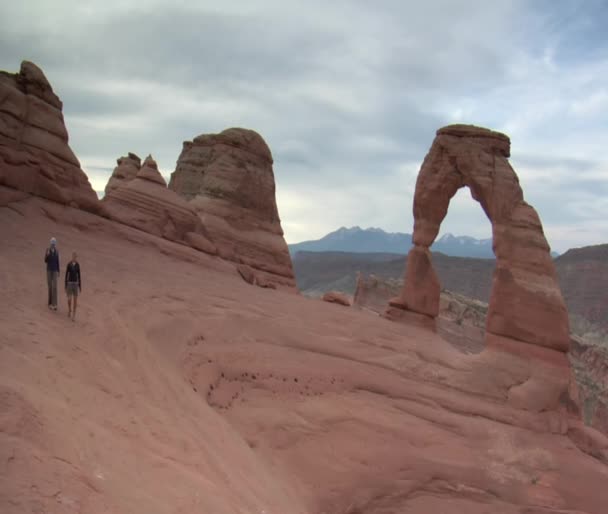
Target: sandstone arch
(525,303)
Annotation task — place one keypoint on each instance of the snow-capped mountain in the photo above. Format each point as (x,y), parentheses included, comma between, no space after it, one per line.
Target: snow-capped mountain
(376,240)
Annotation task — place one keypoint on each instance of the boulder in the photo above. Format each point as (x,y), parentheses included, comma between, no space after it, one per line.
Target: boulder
(247,274)
(35,156)
(144,202)
(373,293)
(229,180)
(336,297)
(526,303)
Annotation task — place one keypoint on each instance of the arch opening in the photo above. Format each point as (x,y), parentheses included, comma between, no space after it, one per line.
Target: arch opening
(463,258)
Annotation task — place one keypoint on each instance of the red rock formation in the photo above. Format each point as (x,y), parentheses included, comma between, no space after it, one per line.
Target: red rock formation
(229,180)
(149,171)
(126,170)
(526,303)
(34,153)
(144,202)
(373,293)
(336,297)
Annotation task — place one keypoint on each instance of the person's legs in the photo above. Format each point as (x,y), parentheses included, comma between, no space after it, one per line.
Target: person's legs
(49,283)
(54,289)
(72,293)
(75,302)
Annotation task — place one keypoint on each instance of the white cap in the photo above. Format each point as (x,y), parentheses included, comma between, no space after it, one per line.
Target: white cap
(53,241)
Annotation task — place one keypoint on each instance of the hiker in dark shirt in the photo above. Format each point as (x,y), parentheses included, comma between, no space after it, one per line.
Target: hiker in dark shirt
(73,285)
(51,257)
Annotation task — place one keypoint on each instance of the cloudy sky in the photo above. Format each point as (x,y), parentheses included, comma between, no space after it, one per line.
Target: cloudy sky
(348,95)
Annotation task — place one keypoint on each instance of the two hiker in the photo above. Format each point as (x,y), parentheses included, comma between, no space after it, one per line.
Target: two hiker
(73,281)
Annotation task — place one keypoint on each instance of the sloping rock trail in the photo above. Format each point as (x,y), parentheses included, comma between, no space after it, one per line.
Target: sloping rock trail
(180,388)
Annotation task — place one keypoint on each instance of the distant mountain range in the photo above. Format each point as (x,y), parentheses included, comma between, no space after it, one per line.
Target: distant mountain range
(376,240)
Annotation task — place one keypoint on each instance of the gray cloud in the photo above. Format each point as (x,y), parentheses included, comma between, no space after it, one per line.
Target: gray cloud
(348,94)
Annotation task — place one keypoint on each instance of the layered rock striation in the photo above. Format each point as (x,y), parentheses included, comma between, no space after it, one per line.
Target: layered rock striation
(35,156)
(228,179)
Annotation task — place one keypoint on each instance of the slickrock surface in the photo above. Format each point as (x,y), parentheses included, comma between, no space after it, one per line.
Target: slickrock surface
(526,303)
(181,388)
(229,180)
(145,202)
(35,156)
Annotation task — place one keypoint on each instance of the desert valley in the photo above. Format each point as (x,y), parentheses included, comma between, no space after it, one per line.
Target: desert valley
(198,378)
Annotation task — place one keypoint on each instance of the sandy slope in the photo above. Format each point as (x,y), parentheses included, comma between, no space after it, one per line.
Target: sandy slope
(181,389)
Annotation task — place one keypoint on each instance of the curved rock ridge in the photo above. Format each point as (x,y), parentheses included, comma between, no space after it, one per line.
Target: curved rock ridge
(143,201)
(35,156)
(126,169)
(229,180)
(526,303)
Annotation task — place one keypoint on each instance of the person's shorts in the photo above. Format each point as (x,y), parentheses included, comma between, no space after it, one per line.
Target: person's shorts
(72,289)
